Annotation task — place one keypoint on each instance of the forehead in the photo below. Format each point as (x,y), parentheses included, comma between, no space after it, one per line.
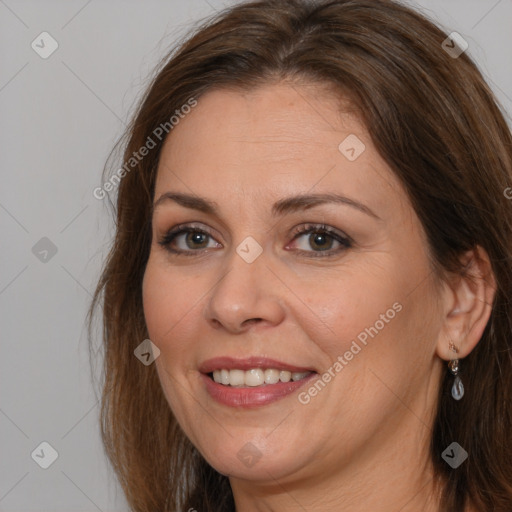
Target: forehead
(274,140)
(275,122)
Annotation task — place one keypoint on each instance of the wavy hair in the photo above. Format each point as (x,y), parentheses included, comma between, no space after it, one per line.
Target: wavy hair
(435,122)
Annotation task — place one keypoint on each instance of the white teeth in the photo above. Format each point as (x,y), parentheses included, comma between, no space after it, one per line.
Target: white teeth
(236,377)
(224,377)
(285,376)
(271,376)
(255,377)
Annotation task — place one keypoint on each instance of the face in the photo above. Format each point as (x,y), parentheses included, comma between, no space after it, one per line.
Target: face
(257,283)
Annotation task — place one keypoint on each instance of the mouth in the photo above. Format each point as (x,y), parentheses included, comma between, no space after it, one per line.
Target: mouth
(255,377)
(253,381)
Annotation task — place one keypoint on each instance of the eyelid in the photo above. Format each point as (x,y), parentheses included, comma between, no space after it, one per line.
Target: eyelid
(308,227)
(345,241)
(192,226)
(180,229)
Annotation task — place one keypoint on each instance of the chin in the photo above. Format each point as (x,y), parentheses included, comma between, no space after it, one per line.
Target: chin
(255,460)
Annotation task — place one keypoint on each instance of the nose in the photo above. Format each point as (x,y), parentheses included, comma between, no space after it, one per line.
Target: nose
(247,294)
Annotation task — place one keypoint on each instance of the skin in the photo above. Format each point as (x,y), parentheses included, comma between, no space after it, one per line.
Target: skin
(362,442)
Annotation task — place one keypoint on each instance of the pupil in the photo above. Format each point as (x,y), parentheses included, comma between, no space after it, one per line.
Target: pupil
(319,239)
(196,238)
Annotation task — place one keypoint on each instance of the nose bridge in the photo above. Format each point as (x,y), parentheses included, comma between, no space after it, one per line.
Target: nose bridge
(244,292)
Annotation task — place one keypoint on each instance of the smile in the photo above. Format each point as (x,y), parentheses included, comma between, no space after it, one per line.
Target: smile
(255,377)
(253,381)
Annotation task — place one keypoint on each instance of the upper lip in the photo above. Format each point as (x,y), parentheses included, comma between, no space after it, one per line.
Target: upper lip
(230,363)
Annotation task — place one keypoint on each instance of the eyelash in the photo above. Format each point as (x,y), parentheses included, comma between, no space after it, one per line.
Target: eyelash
(345,241)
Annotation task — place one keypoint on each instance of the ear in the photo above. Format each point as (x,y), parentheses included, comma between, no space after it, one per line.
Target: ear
(468,304)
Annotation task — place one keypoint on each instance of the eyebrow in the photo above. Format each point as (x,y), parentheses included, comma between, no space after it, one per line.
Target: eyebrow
(281,207)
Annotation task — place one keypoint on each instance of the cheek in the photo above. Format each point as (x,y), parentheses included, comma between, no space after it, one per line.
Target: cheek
(349,305)
(168,300)
(156,300)
(376,316)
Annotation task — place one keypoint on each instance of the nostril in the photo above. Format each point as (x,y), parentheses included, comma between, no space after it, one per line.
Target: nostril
(252,320)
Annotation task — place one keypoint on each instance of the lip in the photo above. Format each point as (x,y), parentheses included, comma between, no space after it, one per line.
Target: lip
(230,363)
(251,397)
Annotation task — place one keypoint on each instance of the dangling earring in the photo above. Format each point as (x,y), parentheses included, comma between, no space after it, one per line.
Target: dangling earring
(453,365)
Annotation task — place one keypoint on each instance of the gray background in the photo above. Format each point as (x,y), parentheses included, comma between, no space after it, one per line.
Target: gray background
(59,118)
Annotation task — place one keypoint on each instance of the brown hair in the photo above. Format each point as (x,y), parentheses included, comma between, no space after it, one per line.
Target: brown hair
(435,122)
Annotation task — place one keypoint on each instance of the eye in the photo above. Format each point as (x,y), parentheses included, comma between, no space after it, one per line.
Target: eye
(321,239)
(186,240)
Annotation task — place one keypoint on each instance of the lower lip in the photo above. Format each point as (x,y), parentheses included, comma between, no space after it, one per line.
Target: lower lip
(252,396)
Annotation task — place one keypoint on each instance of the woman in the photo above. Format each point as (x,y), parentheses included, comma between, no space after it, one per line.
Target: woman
(312,232)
